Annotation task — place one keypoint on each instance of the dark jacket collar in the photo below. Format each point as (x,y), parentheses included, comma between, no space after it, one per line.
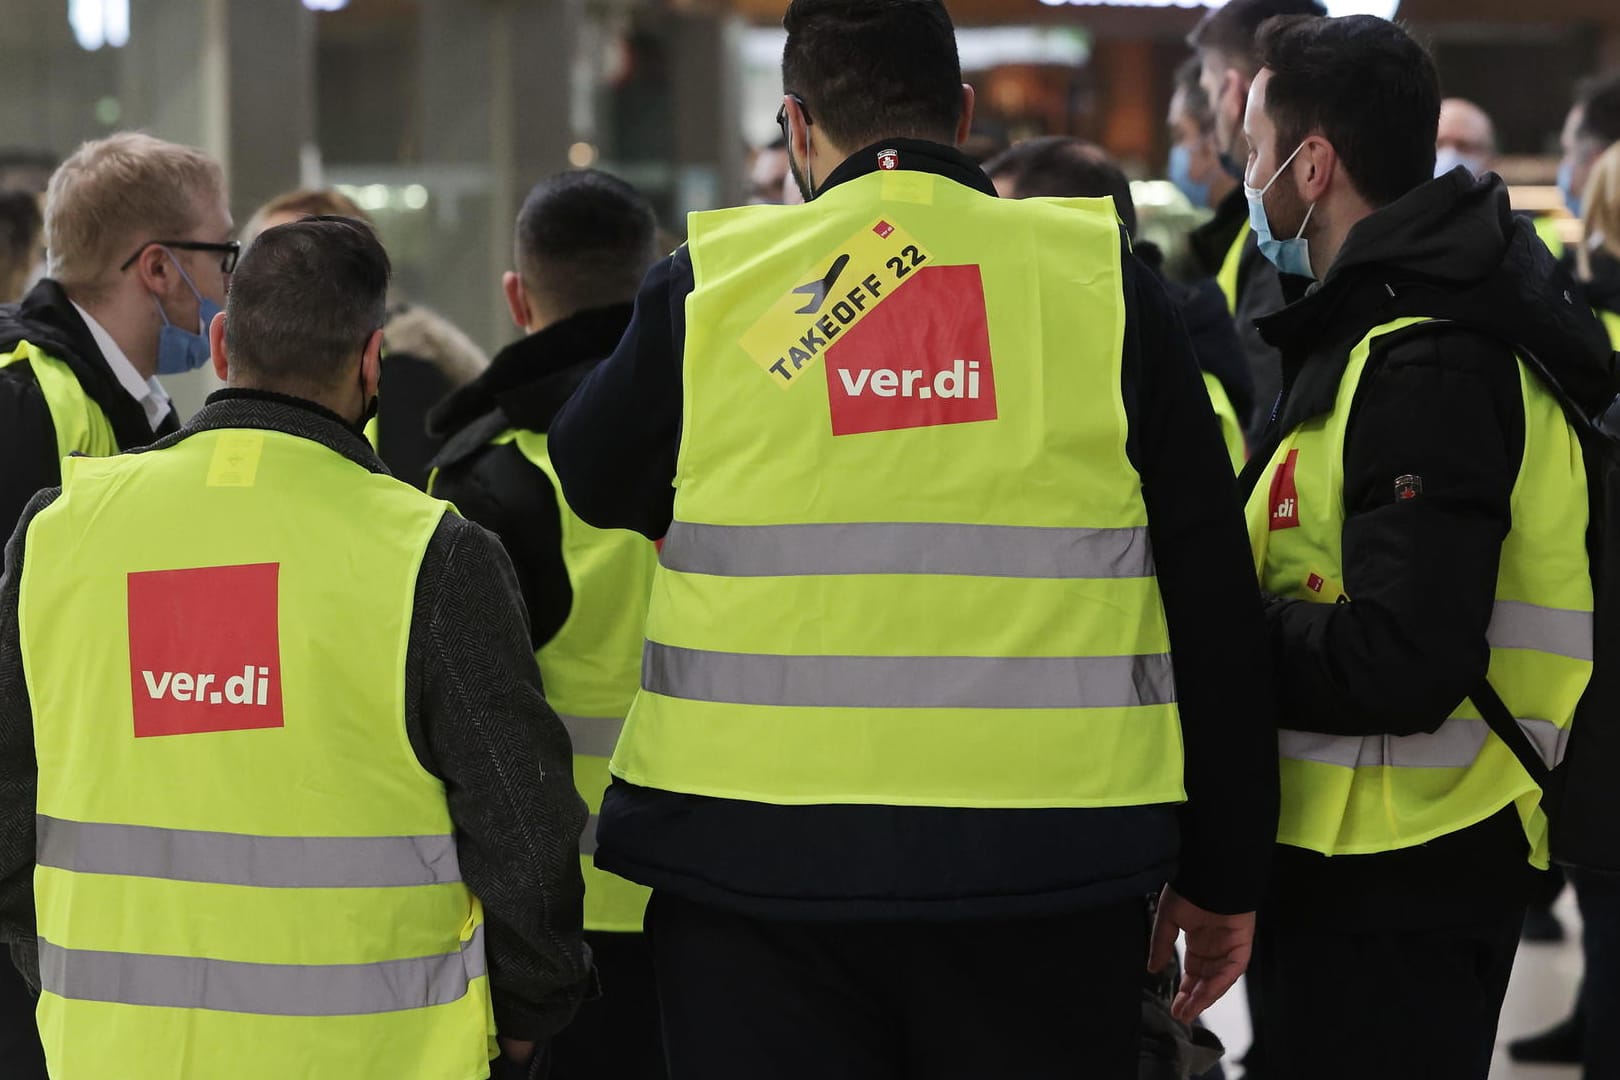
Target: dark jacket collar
(529,380)
(47,318)
(269,411)
(1449,249)
(1211,241)
(915,155)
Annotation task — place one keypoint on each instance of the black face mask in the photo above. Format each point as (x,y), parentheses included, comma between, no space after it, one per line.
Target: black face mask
(369,412)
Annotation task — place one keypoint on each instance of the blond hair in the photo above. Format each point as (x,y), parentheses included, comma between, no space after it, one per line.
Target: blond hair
(114,194)
(305,202)
(1600,210)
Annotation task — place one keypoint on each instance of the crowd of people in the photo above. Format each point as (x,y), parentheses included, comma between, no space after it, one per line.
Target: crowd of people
(641,702)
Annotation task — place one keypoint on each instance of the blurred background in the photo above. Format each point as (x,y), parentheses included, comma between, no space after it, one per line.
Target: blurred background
(437,115)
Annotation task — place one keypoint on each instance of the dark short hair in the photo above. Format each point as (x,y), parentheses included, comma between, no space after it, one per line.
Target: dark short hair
(874,69)
(303,301)
(1363,84)
(1599,99)
(584,239)
(1193,98)
(1231,30)
(1061,167)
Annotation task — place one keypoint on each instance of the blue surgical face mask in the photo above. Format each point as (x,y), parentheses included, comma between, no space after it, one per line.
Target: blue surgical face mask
(1292,256)
(1449,157)
(1181,176)
(1566,187)
(181,350)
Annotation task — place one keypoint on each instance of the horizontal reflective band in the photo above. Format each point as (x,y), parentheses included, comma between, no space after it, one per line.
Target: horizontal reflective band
(972,550)
(270,862)
(592,736)
(189,982)
(1516,625)
(910,682)
(587,839)
(1455,746)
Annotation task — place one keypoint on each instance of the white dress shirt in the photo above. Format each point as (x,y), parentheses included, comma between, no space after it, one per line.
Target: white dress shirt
(149,393)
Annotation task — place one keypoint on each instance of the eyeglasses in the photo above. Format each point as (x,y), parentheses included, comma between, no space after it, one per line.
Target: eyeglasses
(782,117)
(229,252)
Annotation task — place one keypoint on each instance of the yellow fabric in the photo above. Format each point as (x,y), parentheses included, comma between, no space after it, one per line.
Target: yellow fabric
(1227,277)
(1611,323)
(1548,228)
(81,426)
(1237,447)
(592,667)
(1336,809)
(758,449)
(346,546)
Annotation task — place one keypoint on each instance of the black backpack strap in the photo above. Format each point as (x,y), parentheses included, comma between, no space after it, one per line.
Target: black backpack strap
(1497,715)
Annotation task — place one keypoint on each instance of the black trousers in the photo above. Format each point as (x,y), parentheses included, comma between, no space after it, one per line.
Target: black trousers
(21,1057)
(1395,1004)
(616,1036)
(1038,999)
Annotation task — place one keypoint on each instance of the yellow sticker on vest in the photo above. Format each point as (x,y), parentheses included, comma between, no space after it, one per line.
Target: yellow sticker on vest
(849,284)
(236,459)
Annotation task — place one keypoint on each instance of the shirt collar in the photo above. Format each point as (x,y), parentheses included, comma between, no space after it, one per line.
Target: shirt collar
(148,393)
(914,155)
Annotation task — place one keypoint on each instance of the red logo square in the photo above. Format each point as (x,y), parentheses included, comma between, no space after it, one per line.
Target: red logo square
(1285,494)
(883,229)
(921,359)
(205,649)
(1315,583)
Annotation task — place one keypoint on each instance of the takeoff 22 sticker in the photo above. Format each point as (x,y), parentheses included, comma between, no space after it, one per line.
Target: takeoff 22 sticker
(905,342)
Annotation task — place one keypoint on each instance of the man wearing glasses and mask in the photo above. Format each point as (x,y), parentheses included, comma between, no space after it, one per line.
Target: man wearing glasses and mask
(138,235)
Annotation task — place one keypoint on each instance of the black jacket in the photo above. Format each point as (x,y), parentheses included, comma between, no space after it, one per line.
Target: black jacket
(28,456)
(496,486)
(1603,290)
(1214,336)
(1259,293)
(427,358)
(1444,405)
(615,446)
(474,715)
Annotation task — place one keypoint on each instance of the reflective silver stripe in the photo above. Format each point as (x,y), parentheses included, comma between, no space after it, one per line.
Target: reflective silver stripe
(593,736)
(1517,625)
(1455,746)
(271,862)
(190,982)
(909,682)
(587,839)
(1014,551)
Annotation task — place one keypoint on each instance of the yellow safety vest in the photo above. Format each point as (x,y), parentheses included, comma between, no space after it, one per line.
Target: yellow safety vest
(910,561)
(243,870)
(1611,323)
(1227,276)
(1550,228)
(1358,795)
(1237,447)
(591,670)
(81,425)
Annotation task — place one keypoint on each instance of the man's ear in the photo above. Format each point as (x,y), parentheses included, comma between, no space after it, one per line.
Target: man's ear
(964,127)
(156,270)
(517,300)
(1321,163)
(371,365)
(216,348)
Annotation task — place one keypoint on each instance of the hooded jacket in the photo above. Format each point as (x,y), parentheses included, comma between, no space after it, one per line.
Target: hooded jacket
(496,486)
(1444,404)
(427,358)
(28,454)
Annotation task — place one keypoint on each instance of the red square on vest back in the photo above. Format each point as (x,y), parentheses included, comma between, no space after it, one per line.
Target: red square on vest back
(921,359)
(205,649)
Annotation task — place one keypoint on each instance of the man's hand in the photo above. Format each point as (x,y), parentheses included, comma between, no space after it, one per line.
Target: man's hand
(1218,948)
(517,1050)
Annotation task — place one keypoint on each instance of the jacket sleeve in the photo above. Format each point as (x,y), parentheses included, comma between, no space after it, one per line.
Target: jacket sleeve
(615,442)
(19,773)
(28,461)
(482,726)
(1212,604)
(511,498)
(1420,573)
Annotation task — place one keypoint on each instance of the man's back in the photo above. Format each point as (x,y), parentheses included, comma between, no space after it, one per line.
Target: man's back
(245,781)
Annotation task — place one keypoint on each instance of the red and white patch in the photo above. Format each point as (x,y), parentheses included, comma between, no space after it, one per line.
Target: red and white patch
(922,359)
(888,160)
(1285,495)
(205,650)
